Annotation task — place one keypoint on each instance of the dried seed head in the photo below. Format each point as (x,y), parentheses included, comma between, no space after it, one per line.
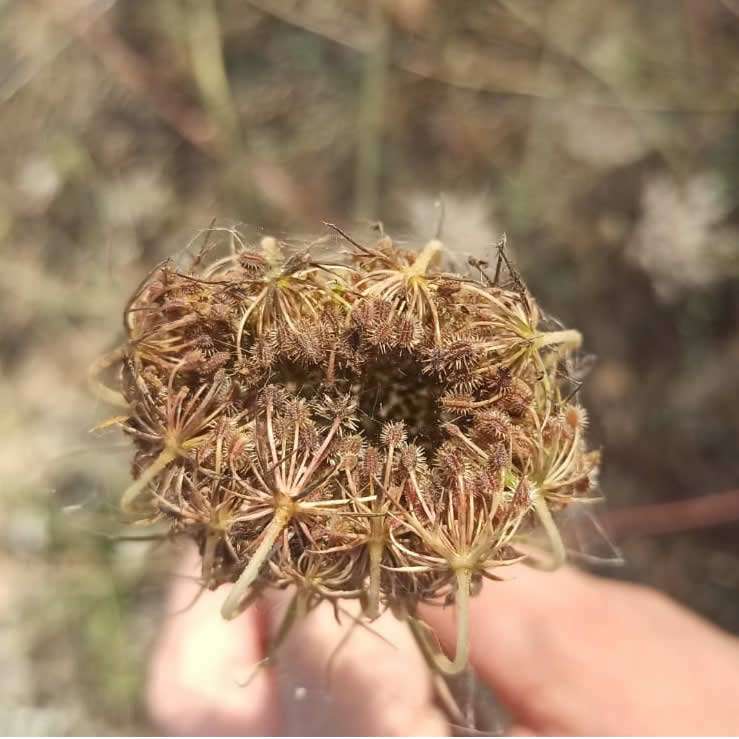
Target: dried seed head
(221,312)
(458,402)
(492,424)
(242,452)
(252,263)
(340,409)
(204,342)
(524,495)
(451,461)
(372,461)
(274,397)
(193,359)
(460,353)
(309,436)
(214,363)
(576,417)
(554,429)
(446,289)
(351,446)
(394,433)
(487,482)
(407,332)
(517,398)
(270,402)
(466,387)
(264,350)
(498,457)
(297,411)
(348,461)
(281,427)
(411,457)
(301,342)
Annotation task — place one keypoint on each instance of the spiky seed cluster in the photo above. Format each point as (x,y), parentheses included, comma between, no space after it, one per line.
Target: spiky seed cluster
(369,428)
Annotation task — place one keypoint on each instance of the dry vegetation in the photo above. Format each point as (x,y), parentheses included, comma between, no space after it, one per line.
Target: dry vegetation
(603,141)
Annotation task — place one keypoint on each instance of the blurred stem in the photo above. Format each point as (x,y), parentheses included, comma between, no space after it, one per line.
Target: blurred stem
(558,554)
(99,389)
(426,258)
(674,516)
(371,115)
(570,338)
(209,70)
(296,609)
(376,552)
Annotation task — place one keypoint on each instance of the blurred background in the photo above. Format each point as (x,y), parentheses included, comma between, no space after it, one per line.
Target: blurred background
(600,137)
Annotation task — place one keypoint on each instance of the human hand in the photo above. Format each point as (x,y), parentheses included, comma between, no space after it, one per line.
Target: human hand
(567,653)
(375,684)
(572,654)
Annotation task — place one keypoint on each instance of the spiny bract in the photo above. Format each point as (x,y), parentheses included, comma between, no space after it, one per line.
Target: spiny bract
(367,426)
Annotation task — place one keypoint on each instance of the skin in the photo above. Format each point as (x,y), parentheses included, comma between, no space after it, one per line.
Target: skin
(566,653)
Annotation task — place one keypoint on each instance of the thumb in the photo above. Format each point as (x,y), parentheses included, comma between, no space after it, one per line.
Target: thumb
(512,624)
(570,653)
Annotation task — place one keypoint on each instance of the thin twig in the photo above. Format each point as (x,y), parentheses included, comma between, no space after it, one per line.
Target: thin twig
(679,515)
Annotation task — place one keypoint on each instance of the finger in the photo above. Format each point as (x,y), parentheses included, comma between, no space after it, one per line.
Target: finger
(199,661)
(348,679)
(572,654)
(520,730)
(510,622)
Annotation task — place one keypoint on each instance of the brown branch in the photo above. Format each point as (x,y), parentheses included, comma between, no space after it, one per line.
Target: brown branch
(680,515)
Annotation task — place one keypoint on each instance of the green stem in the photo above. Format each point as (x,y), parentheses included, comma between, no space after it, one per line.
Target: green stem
(570,338)
(426,257)
(376,549)
(209,553)
(98,388)
(132,493)
(550,528)
(431,651)
(232,605)
(462,603)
